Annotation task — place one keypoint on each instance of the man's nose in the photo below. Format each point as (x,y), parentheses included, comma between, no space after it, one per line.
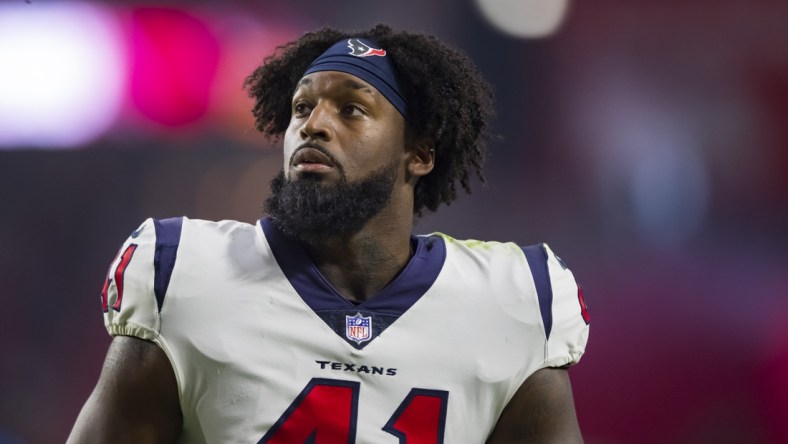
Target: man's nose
(318,125)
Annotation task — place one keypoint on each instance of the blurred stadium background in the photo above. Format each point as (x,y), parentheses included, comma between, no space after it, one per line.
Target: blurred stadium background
(646,141)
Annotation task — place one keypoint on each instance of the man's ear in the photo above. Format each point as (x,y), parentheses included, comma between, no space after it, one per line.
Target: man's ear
(422,159)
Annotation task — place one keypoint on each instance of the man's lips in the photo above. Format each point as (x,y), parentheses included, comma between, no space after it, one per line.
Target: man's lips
(311,159)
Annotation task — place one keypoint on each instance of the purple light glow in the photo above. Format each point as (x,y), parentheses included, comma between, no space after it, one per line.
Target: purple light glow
(62,74)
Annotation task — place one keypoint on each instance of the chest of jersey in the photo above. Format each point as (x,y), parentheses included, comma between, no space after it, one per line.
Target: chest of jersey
(256,362)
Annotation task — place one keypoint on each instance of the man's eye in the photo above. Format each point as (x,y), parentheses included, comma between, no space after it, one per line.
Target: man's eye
(352,110)
(300,109)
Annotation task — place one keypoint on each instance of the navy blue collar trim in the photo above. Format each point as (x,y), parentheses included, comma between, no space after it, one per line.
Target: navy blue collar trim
(400,294)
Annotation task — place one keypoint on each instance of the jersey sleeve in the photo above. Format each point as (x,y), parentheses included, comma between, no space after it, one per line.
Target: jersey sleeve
(563,310)
(137,279)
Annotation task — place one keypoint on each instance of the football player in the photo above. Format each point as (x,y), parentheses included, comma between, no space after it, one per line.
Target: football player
(329,321)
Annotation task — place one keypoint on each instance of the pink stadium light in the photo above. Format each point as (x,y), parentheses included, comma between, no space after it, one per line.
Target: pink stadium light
(62,73)
(174,58)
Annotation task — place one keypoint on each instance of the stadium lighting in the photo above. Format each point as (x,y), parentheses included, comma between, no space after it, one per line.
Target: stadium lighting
(175,57)
(524,18)
(62,73)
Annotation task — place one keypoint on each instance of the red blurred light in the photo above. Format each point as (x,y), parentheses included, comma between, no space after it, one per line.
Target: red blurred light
(174,60)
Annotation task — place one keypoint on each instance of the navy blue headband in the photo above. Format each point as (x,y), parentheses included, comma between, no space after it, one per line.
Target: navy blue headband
(363,59)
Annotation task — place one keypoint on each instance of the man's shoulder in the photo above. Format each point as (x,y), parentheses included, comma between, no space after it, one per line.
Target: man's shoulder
(491,246)
(185,227)
(168,225)
(495,253)
(183,235)
(476,246)
(224,225)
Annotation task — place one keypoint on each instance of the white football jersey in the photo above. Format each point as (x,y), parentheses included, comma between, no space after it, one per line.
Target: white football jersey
(265,350)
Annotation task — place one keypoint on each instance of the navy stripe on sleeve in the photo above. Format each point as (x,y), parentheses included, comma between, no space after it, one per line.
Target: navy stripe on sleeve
(168,236)
(537,261)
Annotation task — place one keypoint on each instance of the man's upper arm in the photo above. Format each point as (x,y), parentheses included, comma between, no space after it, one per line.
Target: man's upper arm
(542,410)
(135,400)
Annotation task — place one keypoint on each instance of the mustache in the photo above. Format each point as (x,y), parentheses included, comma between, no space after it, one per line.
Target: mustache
(322,149)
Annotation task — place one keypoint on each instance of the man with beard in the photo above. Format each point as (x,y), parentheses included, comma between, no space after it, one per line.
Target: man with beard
(328,321)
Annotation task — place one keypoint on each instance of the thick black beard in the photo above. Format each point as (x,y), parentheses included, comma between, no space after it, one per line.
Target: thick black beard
(311,211)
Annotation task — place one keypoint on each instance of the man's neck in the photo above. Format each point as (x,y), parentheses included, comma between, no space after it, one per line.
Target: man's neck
(361,265)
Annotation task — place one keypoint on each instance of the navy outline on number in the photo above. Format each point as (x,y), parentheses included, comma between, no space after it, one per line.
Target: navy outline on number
(414,392)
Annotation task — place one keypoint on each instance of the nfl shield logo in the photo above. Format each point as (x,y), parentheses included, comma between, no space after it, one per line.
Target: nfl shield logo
(358,328)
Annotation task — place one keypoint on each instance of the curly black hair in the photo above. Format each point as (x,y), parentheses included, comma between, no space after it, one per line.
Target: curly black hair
(448,101)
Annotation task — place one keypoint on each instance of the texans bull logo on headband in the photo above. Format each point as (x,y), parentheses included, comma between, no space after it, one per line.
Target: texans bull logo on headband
(360,49)
(353,55)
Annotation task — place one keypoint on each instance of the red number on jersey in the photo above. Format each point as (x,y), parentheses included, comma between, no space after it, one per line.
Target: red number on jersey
(326,410)
(324,413)
(121,268)
(583,306)
(421,418)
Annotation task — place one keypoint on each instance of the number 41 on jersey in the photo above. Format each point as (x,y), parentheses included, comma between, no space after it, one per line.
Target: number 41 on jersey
(326,411)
